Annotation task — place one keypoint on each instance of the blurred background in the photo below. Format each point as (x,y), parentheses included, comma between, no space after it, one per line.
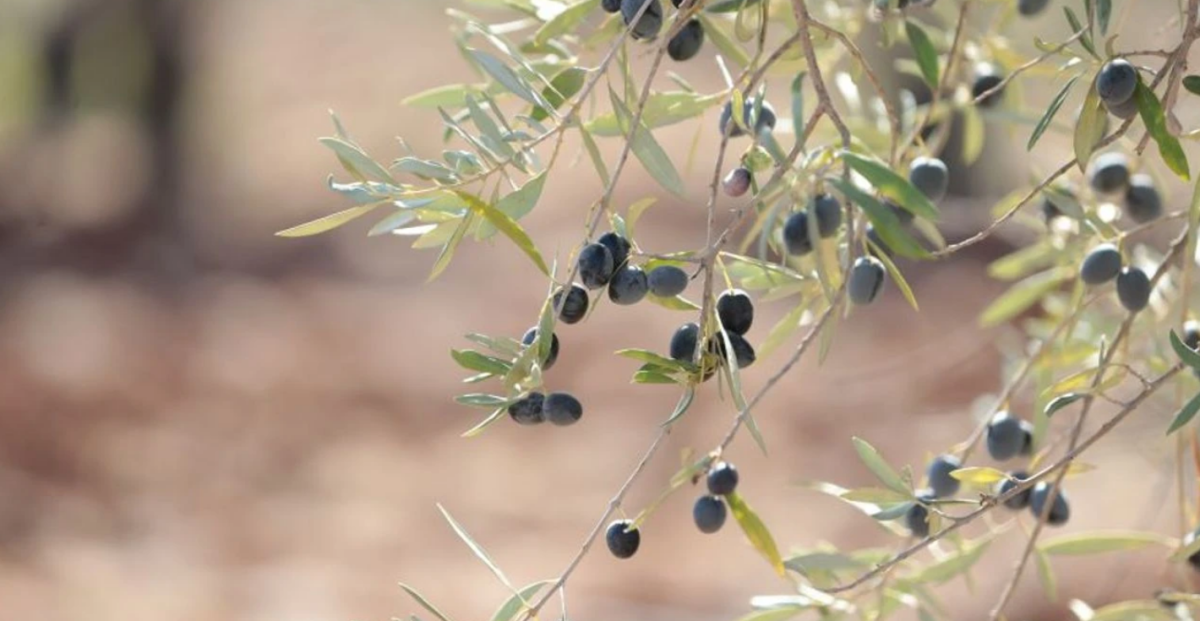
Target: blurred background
(200,421)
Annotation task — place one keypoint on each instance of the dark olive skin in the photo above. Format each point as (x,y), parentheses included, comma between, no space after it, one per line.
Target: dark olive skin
(736,311)
(575,307)
(611,6)
(1133,289)
(1125,110)
(1109,173)
(528,411)
(1021,500)
(618,247)
(531,336)
(1116,81)
(827,210)
(1060,510)
(866,279)
(1027,438)
(737,182)
(683,342)
(595,266)
(651,21)
(766,118)
(987,77)
(628,286)
(1191,334)
(795,234)
(1101,265)
(742,350)
(709,514)
(687,42)
(1005,437)
(622,543)
(930,176)
(917,517)
(562,409)
(667,281)
(722,479)
(940,481)
(1194,559)
(1142,200)
(1029,8)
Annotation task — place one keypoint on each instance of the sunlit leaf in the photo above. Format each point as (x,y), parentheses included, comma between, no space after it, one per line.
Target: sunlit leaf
(506,225)
(1151,111)
(1101,541)
(756,531)
(879,467)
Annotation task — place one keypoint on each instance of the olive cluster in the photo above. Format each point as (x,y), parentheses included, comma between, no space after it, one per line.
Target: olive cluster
(1109,176)
(709,512)
(735,311)
(604,264)
(683,46)
(1007,437)
(558,408)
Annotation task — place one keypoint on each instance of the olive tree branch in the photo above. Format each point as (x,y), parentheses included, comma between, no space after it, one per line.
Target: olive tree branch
(992,502)
(1089,399)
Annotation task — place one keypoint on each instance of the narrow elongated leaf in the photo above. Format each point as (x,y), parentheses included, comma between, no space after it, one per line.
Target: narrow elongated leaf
(355,160)
(562,88)
(1046,575)
(448,249)
(798,104)
(648,151)
(330,222)
(927,57)
(885,221)
(517,204)
(448,96)
(1076,26)
(685,402)
(953,565)
(480,400)
(1061,402)
(879,467)
(1089,129)
(1052,110)
(1186,414)
(519,601)
(506,225)
(1101,541)
(393,221)
(472,360)
(756,531)
(1103,15)
(1188,355)
(979,475)
(506,77)
(898,278)
(1023,295)
(729,48)
(426,604)
(1168,146)
(564,22)
(892,184)
(645,355)
(1136,610)
(476,549)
